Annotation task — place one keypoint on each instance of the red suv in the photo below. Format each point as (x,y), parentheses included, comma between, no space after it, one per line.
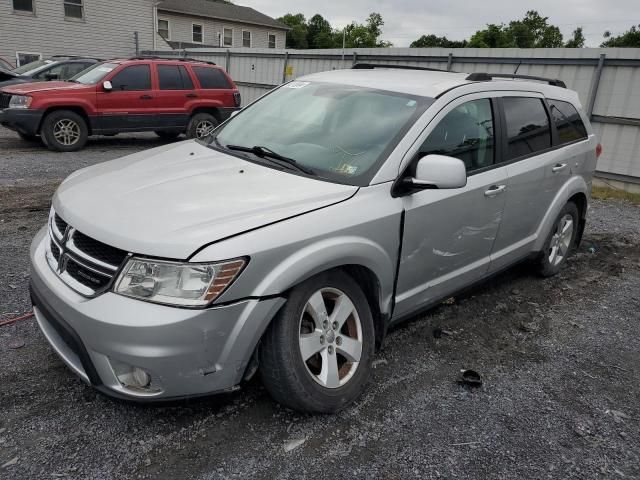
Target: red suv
(168,97)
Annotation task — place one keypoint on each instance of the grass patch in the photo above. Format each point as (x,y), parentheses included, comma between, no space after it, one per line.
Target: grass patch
(604,193)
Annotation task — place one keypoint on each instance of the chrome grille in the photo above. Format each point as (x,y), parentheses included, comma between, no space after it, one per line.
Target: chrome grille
(85,264)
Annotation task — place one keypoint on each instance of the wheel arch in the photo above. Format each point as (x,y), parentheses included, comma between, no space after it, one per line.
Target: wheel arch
(215,111)
(72,108)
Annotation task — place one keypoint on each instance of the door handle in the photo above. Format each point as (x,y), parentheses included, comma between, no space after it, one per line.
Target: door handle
(191,95)
(146,97)
(495,190)
(558,167)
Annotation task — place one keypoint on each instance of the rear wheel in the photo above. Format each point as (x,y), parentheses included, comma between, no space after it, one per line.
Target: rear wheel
(201,125)
(64,131)
(560,242)
(316,355)
(167,135)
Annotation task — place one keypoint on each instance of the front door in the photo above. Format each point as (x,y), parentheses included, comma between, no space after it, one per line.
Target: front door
(449,234)
(129,105)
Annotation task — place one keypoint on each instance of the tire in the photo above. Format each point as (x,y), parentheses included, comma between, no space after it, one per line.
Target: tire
(329,380)
(29,138)
(167,135)
(559,246)
(201,125)
(64,131)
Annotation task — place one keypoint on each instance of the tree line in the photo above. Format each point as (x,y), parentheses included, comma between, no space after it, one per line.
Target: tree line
(532,31)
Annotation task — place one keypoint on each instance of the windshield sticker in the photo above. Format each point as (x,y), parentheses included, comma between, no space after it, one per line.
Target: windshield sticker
(105,69)
(346,169)
(411,103)
(48,61)
(297,84)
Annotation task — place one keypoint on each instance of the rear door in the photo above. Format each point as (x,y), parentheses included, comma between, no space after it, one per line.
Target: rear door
(175,95)
(449,234)
(533,167)
(129,106)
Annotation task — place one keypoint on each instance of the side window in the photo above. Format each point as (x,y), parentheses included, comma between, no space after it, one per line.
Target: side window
(211,78)
(135,77)
(72,69)
(467,133)
(174,77)
(567,121)
(169,77)
(187,83)
(54,73)
(527,124)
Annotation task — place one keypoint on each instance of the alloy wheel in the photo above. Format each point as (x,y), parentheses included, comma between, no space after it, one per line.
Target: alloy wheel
(204,128)
(330,337)
(66,132)
(561,240)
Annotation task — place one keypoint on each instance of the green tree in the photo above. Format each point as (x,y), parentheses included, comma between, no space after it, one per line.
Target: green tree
(364,35)
(532,31)
(431,41)
(319,32)
(630,38)
(577,40)
(297,36)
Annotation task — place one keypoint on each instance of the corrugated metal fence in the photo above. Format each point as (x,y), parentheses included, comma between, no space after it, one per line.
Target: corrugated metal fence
(607,80)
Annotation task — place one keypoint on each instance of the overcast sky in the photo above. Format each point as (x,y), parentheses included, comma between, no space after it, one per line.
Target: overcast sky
(406,20)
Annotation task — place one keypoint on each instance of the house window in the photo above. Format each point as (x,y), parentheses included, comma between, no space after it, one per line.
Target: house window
(23,5)
(272,40)
(73,9)
(163,29)
(22,58)
(246,38)
(227,37)
(196,33)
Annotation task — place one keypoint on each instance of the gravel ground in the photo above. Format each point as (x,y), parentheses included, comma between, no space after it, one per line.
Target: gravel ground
(558,357)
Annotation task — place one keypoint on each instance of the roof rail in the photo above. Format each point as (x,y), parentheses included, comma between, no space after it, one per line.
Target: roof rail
(371,66)
(487,77)
(179,59)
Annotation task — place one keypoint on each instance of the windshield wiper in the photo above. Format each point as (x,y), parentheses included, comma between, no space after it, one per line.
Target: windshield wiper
(265,152)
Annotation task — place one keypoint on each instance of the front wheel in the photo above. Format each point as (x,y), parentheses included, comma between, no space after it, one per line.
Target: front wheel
(201,125)
(560,242)
(316,355)
(64,131)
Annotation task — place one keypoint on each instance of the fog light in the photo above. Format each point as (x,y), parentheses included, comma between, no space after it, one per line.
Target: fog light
(133,377)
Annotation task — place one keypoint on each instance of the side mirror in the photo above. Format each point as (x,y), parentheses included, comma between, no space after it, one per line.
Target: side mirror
(107,86)
(234,113)
(439,171)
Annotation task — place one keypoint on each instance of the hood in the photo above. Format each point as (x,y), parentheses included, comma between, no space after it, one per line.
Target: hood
(43,87)
(171,200)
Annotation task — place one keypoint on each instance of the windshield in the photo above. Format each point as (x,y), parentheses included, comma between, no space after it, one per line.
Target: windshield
(341,132)
(32,67)
(94,74)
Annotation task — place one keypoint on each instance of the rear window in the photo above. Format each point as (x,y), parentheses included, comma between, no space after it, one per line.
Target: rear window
(567,121)
(174,77)
(528,128)
(211,78)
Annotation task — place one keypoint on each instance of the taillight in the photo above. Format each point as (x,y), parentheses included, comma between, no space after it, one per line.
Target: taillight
(598,150)
(236,98)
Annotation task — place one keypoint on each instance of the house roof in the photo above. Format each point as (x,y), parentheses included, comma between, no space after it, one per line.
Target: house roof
(220,10)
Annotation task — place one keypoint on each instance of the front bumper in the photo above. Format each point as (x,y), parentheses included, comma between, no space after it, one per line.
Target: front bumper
(187,352)
(21,120)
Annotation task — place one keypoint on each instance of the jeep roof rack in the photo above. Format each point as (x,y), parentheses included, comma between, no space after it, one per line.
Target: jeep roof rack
(371,66)
(487,77)
(179,59)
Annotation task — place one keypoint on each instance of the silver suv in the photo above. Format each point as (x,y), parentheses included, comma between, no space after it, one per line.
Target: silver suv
(290,240)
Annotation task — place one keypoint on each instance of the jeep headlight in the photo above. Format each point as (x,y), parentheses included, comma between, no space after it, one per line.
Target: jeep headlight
(20,101)
(177,283)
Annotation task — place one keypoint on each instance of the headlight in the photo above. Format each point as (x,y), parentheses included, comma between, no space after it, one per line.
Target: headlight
(177,283)
(20,101)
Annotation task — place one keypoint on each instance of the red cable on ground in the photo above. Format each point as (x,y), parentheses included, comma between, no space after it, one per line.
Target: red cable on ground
(16,319)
